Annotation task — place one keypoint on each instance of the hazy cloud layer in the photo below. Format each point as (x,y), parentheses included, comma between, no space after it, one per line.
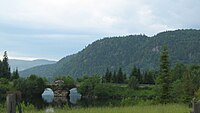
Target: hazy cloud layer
(56,28)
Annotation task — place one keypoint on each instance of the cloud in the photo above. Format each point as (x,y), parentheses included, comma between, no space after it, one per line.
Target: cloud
(69,25)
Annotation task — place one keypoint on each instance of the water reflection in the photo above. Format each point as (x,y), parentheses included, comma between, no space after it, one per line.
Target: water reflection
(48,95)
(74,96)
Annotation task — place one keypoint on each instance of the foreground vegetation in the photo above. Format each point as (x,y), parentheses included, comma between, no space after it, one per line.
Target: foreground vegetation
(169,108)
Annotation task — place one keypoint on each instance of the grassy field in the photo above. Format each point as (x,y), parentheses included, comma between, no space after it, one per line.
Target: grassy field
(171,108)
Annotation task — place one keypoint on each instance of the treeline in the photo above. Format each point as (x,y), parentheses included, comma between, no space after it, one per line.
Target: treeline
(145,77)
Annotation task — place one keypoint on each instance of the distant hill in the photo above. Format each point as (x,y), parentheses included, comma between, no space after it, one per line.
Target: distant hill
(125,52)
(25,64)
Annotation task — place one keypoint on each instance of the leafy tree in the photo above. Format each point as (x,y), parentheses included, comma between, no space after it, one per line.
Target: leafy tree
(83,78)
(164,79)
(31,89)
(69,82)
(103,90)
(88,84)
(4,87)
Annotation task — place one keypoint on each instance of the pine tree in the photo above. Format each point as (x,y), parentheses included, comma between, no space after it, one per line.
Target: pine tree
(108,76)
(164,77)
(114,77)
(15,74)
(5,67)
(120,77)
(188,85)
(124,77)
(139,76)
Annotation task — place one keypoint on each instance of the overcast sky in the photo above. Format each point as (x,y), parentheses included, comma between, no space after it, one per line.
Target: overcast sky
(52,29)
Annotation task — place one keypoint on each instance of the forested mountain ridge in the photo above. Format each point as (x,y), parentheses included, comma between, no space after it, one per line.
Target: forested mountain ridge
(126,52)
(25,64)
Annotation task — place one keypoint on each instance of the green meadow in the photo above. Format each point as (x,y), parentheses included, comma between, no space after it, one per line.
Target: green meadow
(168,108)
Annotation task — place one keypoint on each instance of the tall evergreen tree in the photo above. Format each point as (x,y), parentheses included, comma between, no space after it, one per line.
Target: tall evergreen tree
(120,77)
(188,85)
(164,77)
(5,67)
(139,75)
(114,77)
(124,77)
(15,74)
(108,76)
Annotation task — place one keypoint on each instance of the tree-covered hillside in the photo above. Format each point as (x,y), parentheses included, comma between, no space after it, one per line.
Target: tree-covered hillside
(25,64)
(126,52)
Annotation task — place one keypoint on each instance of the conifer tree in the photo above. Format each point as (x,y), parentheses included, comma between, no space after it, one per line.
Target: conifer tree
(120,77)
(188,85)
(15,74)
(108,76)
(164,80)
(114,77)
(124,77)
(5,68)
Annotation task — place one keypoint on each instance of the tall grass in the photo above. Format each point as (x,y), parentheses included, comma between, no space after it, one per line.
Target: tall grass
(169,108)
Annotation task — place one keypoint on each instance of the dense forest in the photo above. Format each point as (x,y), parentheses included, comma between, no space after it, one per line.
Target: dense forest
(125,52)
(167,84)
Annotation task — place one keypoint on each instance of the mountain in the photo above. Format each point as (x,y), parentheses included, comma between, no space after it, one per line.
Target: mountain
(25,64)
(125,52)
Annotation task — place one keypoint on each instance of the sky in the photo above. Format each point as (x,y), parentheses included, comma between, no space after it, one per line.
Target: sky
(52,29)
